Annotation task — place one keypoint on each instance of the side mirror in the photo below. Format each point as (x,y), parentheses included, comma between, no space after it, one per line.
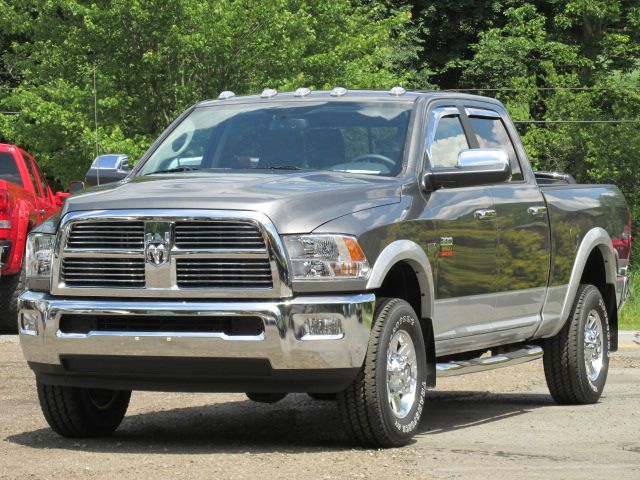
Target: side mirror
(477,166)
(107,169)
(75,186)
(60,197)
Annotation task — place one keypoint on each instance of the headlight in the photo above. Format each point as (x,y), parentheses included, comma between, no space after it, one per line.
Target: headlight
(326,257)
(38,261)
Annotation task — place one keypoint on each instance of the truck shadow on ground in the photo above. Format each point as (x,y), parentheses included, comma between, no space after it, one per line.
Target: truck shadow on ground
(296,424)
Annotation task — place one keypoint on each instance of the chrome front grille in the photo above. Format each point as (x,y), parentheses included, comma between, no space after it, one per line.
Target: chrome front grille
(212,273)
(107,235)
(94,272)
(218,234)
(170,253)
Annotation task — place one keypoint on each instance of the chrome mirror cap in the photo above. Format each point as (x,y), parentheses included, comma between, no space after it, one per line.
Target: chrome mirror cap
(483,157)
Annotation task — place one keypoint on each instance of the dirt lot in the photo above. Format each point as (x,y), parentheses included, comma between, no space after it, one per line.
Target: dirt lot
(499,425)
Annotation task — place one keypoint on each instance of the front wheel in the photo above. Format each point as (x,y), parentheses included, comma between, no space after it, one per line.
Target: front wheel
(82,412)
(576,360)
(384,404)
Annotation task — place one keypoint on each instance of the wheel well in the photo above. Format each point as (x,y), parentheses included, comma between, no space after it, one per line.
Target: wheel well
(594,273)
(402,282)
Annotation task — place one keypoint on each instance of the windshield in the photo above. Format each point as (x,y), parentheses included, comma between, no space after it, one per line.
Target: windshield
(363,137)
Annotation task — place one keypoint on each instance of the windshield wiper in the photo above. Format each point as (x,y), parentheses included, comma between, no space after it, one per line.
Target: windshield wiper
(175,169)
(278,167)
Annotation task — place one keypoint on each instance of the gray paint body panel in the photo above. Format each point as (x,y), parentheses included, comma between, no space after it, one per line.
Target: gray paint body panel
(470,299)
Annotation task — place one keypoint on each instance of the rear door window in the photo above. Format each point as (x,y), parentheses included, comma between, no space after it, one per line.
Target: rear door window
(43,180)
(9,169)
(35,182)
(490,132)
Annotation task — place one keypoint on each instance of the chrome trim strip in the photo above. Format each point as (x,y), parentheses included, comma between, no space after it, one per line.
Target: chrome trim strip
(274,251)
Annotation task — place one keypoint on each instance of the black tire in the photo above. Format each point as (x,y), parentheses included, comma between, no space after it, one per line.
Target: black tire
(11,287)
(265,397)
(364,406)
(82,412)
(323,396)
(565,370)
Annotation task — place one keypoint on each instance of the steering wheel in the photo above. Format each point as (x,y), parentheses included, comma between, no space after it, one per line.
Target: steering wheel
(374,158)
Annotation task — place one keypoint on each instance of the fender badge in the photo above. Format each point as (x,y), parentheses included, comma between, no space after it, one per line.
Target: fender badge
(446,247)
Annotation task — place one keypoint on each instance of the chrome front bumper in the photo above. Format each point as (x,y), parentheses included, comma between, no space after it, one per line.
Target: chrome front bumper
(283,344)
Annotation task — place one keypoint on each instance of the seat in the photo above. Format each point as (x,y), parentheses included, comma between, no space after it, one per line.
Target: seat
(324,148)
(282,147)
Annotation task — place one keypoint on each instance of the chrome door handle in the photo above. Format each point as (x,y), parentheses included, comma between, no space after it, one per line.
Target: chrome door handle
(485,214)
(42,211)
(537,211)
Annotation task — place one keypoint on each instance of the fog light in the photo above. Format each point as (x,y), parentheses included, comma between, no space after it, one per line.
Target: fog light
(322,328)
(29,323)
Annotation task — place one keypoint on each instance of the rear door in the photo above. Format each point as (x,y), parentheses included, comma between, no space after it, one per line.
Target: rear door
(466,241)
(522,223)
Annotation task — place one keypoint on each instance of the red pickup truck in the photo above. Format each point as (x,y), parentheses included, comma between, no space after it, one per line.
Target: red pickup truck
(25,200)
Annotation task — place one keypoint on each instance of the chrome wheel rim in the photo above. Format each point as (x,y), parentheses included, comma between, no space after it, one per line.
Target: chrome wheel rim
(402,374)
(593,346)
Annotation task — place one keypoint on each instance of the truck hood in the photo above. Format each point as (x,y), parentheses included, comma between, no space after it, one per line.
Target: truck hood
(296,202)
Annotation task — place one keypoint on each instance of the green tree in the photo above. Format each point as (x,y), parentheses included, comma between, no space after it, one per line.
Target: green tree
(151,59)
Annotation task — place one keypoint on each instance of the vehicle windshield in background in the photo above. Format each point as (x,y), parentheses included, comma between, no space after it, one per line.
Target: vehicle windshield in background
(362,137)
(9,169)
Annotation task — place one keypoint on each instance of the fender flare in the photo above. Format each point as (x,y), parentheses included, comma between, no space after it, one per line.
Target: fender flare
(595,238)
(413,254)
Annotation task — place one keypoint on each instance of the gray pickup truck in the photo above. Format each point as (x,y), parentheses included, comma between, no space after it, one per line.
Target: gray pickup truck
(354,244)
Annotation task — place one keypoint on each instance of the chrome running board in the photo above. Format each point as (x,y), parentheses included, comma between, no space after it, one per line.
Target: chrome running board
(523,354)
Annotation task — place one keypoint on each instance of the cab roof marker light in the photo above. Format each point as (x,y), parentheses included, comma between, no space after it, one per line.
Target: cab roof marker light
(268,93)
(397,91)
(338,92)
(226,95)
(301,92)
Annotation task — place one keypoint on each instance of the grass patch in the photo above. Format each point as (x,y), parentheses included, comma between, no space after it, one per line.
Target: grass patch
(630,314)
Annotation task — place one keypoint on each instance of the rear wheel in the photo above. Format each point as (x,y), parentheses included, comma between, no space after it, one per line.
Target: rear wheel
(11,287)
(82,412)
(576,360)
(383,406)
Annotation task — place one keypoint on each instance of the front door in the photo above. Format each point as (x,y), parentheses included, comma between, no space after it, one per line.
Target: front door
(466,241)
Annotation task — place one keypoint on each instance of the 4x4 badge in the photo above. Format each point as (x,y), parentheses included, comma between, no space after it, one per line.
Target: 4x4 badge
(157,248)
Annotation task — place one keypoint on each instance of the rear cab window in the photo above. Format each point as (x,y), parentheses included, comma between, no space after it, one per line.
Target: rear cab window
(9,169)
(490,132)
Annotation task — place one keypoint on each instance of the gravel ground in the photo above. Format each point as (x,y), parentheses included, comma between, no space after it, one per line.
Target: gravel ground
(500,425)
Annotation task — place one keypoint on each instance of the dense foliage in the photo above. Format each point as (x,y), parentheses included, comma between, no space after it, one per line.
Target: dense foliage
(550,61)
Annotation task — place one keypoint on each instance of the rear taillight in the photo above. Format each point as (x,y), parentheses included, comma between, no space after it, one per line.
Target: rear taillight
(5,210)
